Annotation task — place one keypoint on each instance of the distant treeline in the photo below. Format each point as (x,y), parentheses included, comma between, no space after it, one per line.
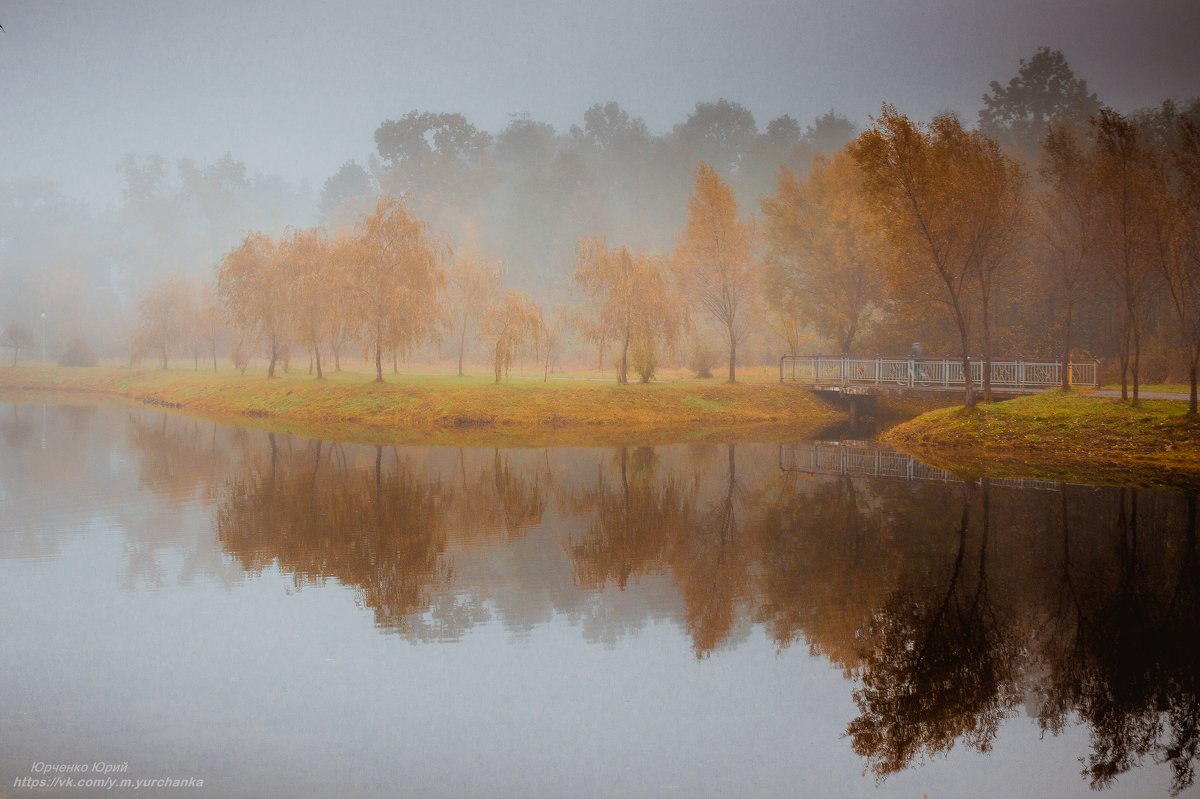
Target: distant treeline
(1054,226)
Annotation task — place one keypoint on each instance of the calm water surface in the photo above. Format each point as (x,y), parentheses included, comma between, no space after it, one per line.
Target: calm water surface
(283,617)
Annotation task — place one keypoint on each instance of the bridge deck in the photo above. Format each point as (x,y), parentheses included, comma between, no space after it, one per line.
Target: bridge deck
(905,375)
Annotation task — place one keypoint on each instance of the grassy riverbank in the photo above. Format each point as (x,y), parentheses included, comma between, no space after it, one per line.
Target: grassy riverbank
(450,409)
(1061,435)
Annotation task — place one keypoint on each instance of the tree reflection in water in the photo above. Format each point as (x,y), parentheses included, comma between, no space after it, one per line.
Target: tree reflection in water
(951,607)
(1124,653)
(319,515)
(939,668)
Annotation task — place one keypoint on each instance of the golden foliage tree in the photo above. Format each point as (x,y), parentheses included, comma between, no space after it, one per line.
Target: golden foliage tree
(474,281)
(714,258)
(1126,176)
(949,203)
(1183,274)
(164,315)
(998,219)
(1069,223)
(822,256)
(254,293)
(631,302)
(338,277)
(398,280)
(515,324)
(305,261)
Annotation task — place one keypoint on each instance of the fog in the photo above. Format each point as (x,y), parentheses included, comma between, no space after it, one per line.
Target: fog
(144,139)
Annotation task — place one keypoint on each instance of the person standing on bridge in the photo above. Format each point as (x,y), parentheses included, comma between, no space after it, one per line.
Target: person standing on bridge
(914,352)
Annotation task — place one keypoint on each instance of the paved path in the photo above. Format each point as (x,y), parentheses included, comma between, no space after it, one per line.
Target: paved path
(1141,394)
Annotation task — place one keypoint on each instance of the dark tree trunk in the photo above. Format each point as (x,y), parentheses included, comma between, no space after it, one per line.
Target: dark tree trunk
(274,357)
(1066,356)
(964,338)
(462,344)
(1137,361)
(987,355)
(732,357)
(1192,381)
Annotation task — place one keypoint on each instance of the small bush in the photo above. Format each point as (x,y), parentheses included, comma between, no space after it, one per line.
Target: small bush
(703,358)
(78,353)
(645,361)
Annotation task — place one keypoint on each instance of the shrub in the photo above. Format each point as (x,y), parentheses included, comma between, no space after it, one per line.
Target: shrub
(703,358)
(78,353)
(644,360)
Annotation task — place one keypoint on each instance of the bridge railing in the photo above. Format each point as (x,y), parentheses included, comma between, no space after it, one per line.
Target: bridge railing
(931,372)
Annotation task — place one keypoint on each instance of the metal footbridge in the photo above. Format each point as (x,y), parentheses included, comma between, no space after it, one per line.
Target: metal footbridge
(909,375)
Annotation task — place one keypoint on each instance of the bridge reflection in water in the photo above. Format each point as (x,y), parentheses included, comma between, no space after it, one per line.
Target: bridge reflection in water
(849,458)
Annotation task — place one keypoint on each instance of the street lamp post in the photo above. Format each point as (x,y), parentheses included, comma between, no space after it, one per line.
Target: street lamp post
(43,337)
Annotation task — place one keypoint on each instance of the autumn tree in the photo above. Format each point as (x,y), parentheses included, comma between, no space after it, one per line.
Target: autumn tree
(630,300)
(474,281)
(164,316)
(1127,172)
(305,263)
(16,336)
(659,318)
(822,257)
(550,338)
(209,321)
(514,324)
(398,281)
(714,258)
(947,230)
(254,293)
(339,275)
(1069,223)
(998,218)
(1183,272)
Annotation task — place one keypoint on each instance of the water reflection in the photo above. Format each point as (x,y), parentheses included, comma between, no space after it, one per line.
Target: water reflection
(950,607)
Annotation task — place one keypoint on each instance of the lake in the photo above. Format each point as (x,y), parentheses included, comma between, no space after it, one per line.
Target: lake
(183,602)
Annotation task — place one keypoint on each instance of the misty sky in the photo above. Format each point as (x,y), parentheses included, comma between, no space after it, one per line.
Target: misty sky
(298,87)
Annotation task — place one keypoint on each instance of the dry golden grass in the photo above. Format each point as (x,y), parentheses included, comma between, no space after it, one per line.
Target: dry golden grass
(1062,435)
(448,409)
